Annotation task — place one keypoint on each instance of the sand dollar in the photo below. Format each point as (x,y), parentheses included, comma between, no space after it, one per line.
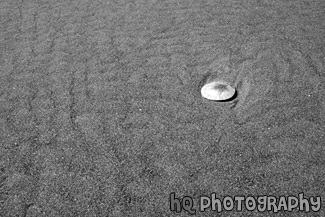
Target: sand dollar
(218,91)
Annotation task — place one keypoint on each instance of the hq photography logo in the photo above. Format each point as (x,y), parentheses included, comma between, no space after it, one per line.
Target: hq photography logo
(239,203)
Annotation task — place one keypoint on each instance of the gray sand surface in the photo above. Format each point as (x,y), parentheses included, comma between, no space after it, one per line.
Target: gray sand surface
(101,112)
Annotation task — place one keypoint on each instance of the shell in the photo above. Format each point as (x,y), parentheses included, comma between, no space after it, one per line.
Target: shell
(218,91)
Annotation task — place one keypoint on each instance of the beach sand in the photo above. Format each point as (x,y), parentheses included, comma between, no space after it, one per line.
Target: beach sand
(101,112)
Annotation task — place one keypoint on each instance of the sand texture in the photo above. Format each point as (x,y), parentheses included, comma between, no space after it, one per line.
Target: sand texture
(101,112)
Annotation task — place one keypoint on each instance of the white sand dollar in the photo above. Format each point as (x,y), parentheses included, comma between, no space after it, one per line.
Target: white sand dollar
(217,91)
